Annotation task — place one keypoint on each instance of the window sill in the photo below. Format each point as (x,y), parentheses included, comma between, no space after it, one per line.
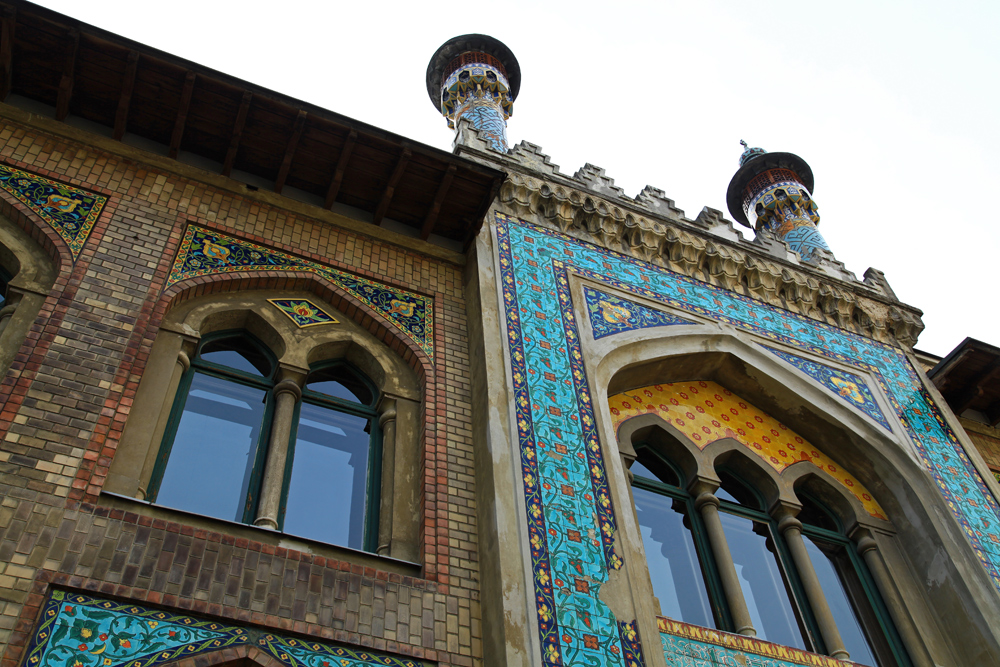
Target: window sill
(262,535)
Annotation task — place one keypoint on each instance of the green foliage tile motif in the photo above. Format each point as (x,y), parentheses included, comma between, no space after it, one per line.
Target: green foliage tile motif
(204,252)
(69,211)
(82,631)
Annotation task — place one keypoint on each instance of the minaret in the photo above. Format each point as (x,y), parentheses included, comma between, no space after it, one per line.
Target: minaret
(475,77)
(772,191)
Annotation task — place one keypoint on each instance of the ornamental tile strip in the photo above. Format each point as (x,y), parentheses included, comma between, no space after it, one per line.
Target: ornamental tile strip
(204,252)
(298,653)
(303,312)
(563,473)
(610,314)
(686,645)
(70,211)
(707,412)
(850,387)
(83,631)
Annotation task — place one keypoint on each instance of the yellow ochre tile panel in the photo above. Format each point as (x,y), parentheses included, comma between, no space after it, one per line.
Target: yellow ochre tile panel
(706,412)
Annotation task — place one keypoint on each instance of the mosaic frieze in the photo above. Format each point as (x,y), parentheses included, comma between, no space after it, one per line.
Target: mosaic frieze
(570,519)
(303,312)
(707,412)
(82,631)
(71,212)
(610,314)
(850,387)
(204,252)
(687,645)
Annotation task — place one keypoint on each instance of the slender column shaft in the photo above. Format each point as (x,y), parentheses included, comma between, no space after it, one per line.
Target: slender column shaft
(153,451)
(387,422)
(791,530)
(286,395)
(708,506)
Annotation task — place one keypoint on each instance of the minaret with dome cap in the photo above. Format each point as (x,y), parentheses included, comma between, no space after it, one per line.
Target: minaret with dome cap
(772,192)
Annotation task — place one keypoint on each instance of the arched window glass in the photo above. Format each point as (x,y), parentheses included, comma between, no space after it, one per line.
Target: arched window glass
(5,278)
(335,462)
(213,450)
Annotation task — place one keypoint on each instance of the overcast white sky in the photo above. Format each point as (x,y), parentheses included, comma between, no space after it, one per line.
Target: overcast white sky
(893,104)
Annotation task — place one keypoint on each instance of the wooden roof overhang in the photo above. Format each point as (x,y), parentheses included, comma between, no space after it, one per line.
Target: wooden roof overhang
(969,378)
(78,69)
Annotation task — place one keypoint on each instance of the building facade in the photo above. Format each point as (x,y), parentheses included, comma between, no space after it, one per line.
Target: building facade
(283,388)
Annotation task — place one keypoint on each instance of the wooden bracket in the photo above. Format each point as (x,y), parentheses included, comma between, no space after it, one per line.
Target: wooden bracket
(69,69)
(128,83)
(390,188)
(234,142)
(182,112)
(338,173)
(442,192)
(293,142)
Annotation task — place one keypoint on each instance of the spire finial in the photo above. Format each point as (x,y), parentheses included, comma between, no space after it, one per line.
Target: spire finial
(743,144)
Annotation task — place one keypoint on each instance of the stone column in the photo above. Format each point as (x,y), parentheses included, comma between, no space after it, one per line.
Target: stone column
(707,505)
(791,529)
(286,394)
(869,551)
(387,424)
(156,444)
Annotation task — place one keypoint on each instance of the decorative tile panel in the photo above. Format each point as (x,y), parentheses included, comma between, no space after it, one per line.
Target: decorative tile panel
(610,314)
(686,645)
(303,312)
(569,525)
(850,387)
(204,252)
(707,412)
(82,631)
(70,211)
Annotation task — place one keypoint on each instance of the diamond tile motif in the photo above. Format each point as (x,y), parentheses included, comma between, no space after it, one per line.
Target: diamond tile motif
(303,312)
(850,387)
(70,211)
(610,314)
(204,252)
(571,523)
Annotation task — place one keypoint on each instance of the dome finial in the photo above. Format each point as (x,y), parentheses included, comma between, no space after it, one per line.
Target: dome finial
(750,153)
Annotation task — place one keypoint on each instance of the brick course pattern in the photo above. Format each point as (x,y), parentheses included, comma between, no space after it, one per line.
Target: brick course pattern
(70,388)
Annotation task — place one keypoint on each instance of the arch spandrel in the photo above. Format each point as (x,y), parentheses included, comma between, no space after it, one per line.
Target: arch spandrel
(707,412)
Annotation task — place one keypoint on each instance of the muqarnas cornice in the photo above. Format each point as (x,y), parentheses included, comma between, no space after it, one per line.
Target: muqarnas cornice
(650,227)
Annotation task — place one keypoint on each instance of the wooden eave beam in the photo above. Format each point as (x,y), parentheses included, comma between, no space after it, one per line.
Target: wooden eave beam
(481,214)
(128,83)
(977,387)
(7,51)
(234,141)
(182,112)
(67,79)
(338,172)
(390,187)
(293,142)
(442,192)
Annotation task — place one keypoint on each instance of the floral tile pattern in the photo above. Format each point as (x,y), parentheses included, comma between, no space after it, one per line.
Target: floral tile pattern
(571,522)
(82,631)
(706,412)
(850,387)
(204,252)
(610,314)
(71,212)
(303,312)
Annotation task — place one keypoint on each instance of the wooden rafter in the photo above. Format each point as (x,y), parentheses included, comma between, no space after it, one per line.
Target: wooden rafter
(338,173)
(7,51)
(473,226)
(234,142)
(390,187)
(182,111)
(977,388)
(442,192)
(68,75)
(125,99)
(293,142)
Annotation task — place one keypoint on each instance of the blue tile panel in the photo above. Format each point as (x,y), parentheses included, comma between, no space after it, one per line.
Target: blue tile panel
(71,212)
(570,519)
(488,119)
(850,387)
(83,631)
(205,252)
(303,312)
(692,646)
(610,314)
(805,240)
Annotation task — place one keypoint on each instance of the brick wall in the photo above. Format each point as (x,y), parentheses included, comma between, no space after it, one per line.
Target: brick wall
(68,394)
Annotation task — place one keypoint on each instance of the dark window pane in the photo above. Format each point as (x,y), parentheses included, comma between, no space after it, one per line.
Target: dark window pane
(673,561)
(814,515)
(326,496)
(237,353)
(340,382)
(762,581)
(214,449)
(652,467)
(735,491)
(825,561)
